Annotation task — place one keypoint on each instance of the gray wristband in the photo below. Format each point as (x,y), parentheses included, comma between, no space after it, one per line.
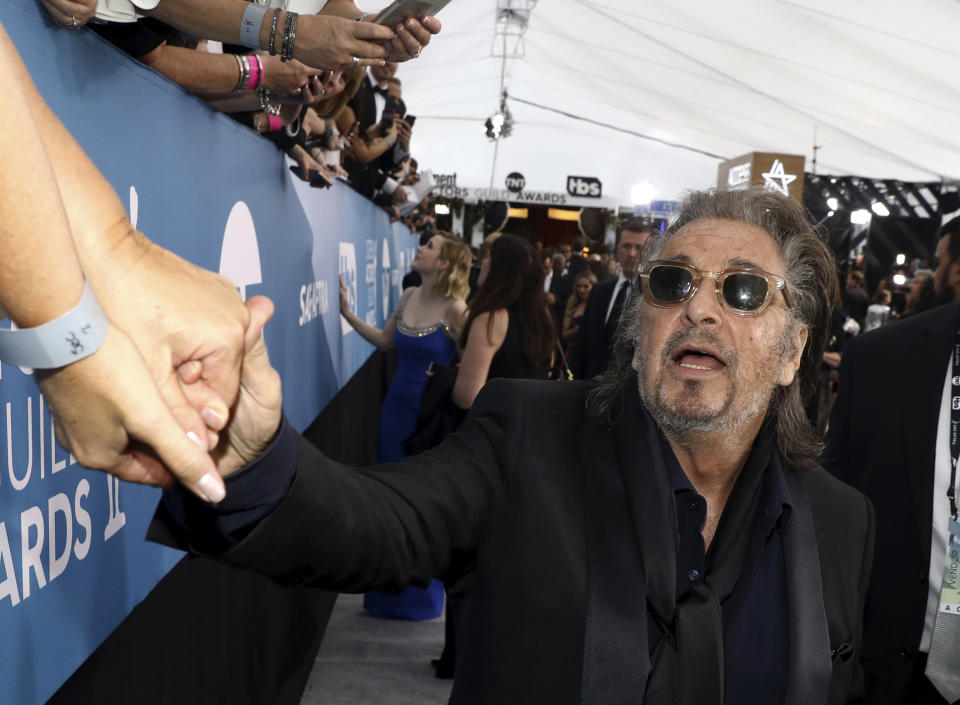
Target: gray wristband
(71,337)
(250,25)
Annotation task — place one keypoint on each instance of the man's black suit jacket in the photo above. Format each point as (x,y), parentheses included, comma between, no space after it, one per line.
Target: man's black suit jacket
(591,346)
(557,613)
(882,441)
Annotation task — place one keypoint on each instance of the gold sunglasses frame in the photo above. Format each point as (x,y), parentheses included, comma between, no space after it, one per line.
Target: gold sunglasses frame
(774,284)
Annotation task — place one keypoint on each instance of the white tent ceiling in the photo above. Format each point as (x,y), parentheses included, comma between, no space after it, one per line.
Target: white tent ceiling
(875,84)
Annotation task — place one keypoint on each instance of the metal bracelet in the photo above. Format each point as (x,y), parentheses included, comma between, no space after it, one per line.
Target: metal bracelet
(239,73)
(271,45)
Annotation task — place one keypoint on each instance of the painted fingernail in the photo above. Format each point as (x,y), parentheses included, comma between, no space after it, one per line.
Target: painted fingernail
(212,417)
(196,439)
(411,23)
(211,488)
(400,28)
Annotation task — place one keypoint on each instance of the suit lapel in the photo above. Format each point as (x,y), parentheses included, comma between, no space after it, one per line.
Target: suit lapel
(808,682)
(921,389)
(618,494)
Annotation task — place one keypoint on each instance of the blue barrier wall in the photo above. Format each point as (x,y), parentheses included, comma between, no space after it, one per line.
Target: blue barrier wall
(73,562)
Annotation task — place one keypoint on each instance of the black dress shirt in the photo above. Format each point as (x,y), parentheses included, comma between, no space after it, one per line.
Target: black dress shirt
(755,620)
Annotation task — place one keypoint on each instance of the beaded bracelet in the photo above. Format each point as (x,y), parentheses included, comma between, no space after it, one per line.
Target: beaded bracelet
(289,35)
(271,46)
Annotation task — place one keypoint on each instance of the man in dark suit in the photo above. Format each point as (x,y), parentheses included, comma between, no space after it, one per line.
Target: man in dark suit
(369,104)
(591,506)
(591,346)
(889,438)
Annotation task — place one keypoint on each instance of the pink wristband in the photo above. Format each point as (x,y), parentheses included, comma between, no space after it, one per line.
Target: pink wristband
(274,123)
(254,81)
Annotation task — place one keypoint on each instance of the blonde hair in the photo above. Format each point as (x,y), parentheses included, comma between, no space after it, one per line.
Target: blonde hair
(329,109)
(453,282)
(575,299)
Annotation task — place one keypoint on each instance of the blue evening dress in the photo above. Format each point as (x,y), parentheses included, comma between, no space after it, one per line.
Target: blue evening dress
(416,349)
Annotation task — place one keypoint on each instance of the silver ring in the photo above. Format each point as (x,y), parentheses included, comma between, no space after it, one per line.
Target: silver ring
(353,63)
(73,22)
(417,55)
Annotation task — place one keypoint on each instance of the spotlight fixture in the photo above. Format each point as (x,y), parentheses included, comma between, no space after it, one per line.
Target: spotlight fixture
(880,209)
(500,125)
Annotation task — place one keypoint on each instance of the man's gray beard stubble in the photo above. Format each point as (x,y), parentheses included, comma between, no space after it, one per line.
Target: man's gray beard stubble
(683,424)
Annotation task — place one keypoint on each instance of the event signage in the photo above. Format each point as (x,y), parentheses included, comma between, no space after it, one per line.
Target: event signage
(73,559)
(447,187)
(515,182)
(584,186)
(782,173)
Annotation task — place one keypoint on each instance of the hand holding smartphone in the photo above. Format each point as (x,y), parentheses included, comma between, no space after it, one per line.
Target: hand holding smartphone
(400,10)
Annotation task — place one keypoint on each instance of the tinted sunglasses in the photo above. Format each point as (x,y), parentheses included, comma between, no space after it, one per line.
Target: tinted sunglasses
(745,291)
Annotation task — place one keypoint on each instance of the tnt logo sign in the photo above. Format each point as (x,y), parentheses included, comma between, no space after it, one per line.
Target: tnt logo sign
(515,182)
(584,186)
(348,273)
(956,381)
(956,403)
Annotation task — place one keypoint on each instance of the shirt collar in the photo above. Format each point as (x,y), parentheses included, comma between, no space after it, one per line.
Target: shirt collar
(775,498)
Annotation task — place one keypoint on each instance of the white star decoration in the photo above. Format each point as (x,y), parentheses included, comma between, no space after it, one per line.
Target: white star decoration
(776,174)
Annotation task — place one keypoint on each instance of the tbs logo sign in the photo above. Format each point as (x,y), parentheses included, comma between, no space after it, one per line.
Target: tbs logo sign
(584,186)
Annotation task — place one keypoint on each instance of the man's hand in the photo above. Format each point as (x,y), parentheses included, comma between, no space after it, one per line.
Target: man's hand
(70,14)
(400,195)
(110,414)
(257,413)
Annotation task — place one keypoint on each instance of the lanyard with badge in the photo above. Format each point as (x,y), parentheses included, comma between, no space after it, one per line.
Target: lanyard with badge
(950,585)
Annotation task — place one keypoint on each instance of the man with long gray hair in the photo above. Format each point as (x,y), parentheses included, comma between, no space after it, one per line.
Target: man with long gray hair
(663,536)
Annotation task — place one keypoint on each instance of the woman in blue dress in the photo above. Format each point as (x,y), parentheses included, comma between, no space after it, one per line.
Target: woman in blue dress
(423,329)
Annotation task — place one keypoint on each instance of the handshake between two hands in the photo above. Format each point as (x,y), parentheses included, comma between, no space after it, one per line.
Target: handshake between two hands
(182,388)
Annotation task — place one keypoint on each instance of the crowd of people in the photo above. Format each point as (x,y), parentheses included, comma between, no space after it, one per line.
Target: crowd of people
(659,530)
(348,122)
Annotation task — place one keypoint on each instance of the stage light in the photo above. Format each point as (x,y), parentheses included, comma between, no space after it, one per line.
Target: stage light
(563,214)
(641,194)
(833,203)
(899,279)
(831,214)
(880,209)
(519,213)
(499,125)
(441,209)
(901,259)
(860,217)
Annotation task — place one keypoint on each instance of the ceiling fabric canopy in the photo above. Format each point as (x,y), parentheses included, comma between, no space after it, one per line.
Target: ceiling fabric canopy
(634,91)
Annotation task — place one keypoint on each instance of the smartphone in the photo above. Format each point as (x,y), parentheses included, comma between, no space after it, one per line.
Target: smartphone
(400,10)
(386,122)
(410,119)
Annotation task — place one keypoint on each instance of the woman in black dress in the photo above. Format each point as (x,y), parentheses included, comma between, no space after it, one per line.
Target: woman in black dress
(509,331)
